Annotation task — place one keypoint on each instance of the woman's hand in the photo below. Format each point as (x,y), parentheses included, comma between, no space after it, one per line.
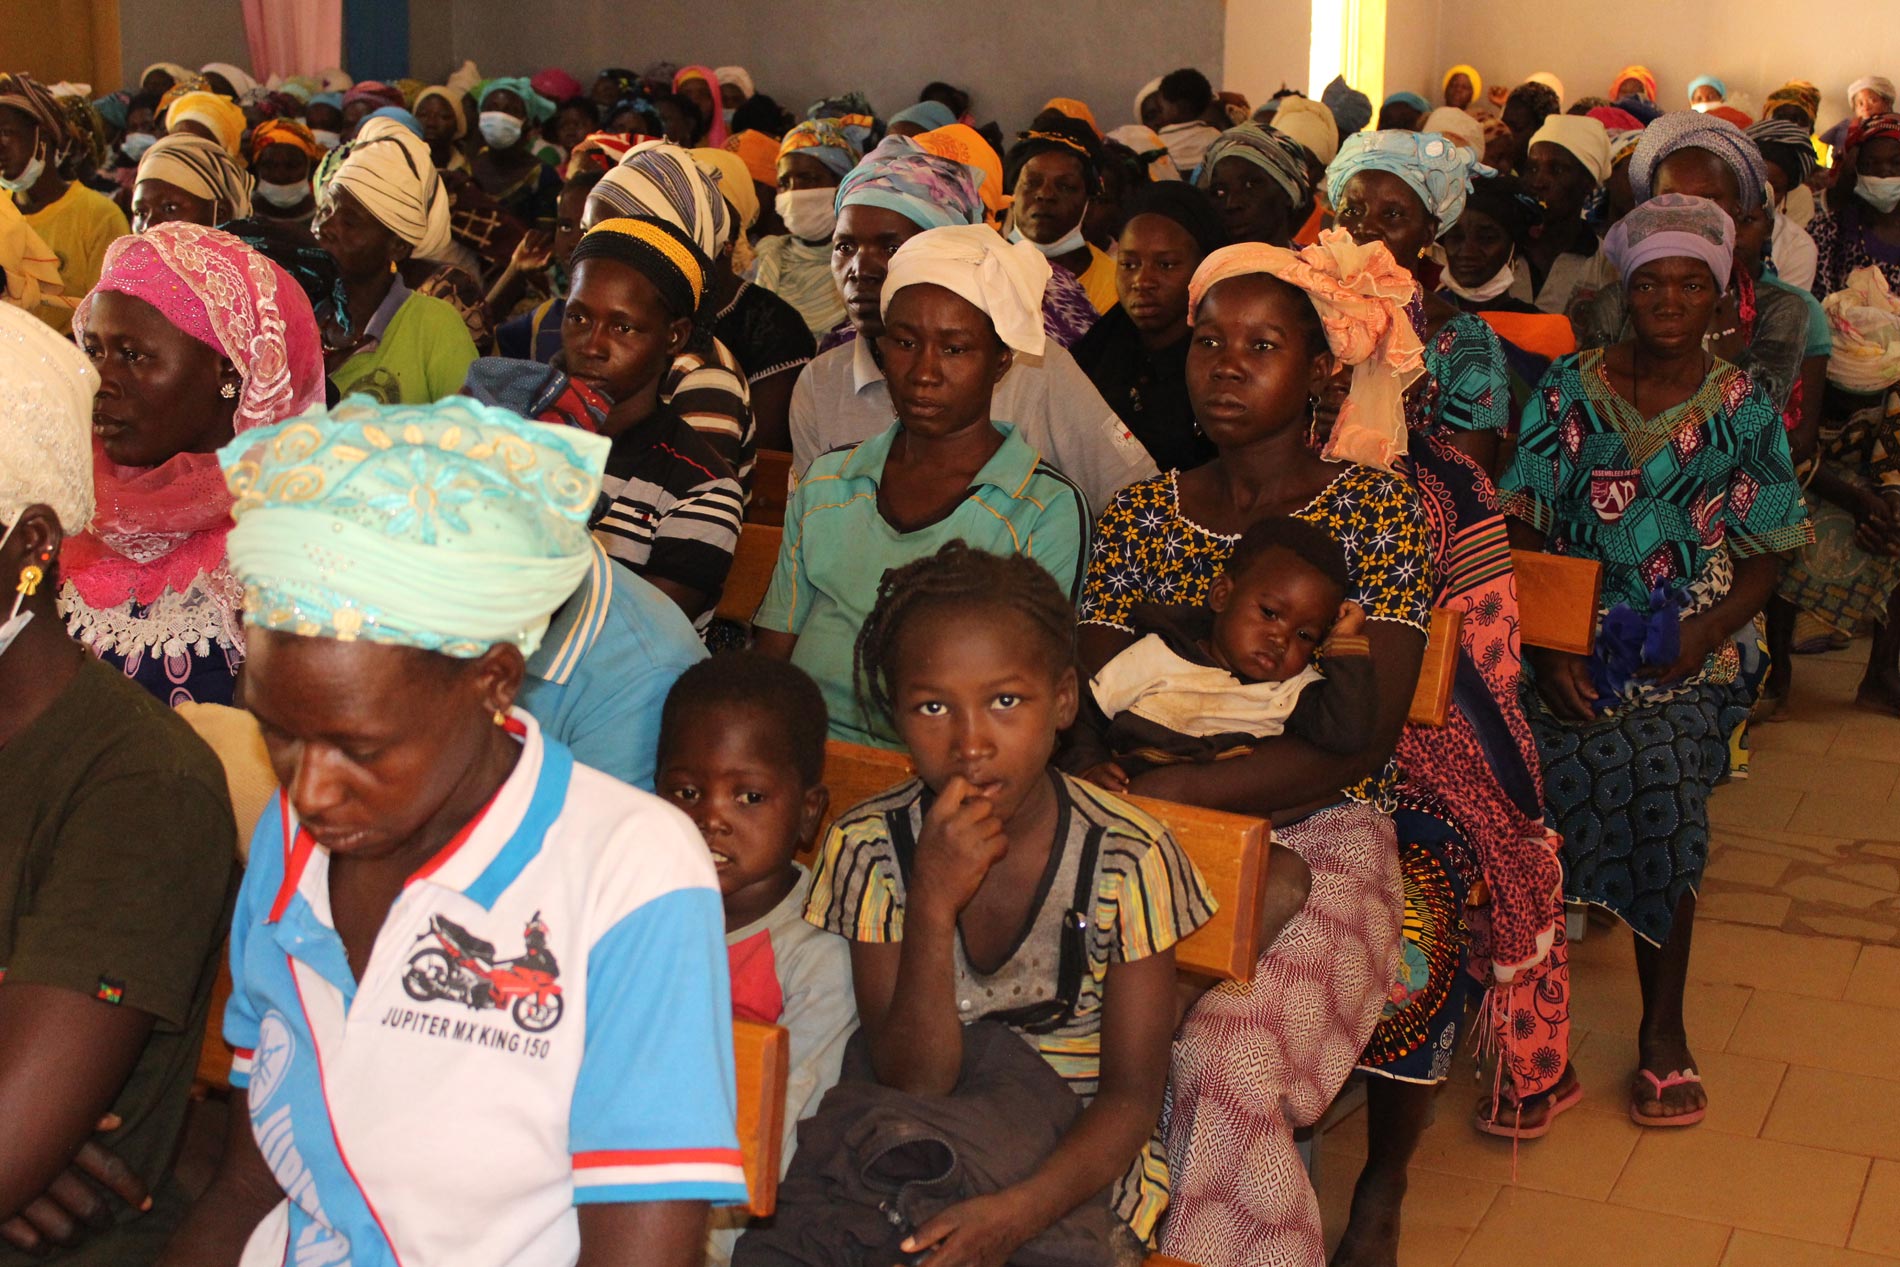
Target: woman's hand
(961,840)
(71,1206)
(533,253)
(980,1232)
(1876,523)
(1701,636)
(1563,679)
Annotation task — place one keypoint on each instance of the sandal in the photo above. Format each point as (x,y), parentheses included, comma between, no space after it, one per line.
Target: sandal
(1662,1086)
(1506,1121)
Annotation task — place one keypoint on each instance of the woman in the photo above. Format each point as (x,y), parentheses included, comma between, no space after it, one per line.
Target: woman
(1633,744)
(208,115)
(385,692)
(196,338)
(1860,225)
(1251,1064)
(1706,91)
(1566,162)
(1463,88)
(1136,355)
(1403,111)
(699,85)
(383,204)
(118,839)
(1633,81)
(1525,110)
(1052,175)
(441,112)
(508,167)
(1788,150)
(1259,181)
(186,179)
(284,157)
(1866,97)
(1470,805)
(796,266)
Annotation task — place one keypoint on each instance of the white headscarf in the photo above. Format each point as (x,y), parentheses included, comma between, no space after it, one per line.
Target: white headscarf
(1310,123)
(1458,125)
(390,171)
(45,421)
(1148,90)
(1004,279)
(246,88)
(1146,143)
(739,77)
(1584,137)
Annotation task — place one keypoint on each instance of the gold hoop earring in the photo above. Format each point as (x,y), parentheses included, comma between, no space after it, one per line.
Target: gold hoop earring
(30,578)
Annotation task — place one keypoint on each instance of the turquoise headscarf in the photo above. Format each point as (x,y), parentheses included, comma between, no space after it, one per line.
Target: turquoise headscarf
(540,109)
(1438,170)
(448,527)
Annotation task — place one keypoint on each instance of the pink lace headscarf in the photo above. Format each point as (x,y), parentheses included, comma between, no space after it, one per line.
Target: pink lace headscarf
(1360,293)
(160,527)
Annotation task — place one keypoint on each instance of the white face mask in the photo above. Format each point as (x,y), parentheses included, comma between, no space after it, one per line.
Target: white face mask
(17,620)
(1067,244)
(1882,193)
(1703,107)
(35,168)
(284,196)
(136,143)
(809,214)
(1485,291)
(327,139)
(500,129)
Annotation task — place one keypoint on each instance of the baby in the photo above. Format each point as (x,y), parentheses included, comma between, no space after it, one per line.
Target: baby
(1203,683)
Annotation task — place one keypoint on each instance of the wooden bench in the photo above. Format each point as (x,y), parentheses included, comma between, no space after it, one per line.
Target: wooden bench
(753,563)
(1431,698)
(1557,599)
(771,488)
(1229,850)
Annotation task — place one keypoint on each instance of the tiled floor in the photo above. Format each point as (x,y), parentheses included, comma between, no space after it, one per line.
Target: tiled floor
(1794,1013)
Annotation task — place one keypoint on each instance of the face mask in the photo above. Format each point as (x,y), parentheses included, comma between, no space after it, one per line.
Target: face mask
(1882,193)
(1068,243)
(1703,107)
(809,214)
(17,619)
(327,139)
(35,168)
(1486,291)
(500,129)
(136,143)
(285,196)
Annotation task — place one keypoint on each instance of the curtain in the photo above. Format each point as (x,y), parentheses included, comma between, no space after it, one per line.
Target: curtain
(293,37)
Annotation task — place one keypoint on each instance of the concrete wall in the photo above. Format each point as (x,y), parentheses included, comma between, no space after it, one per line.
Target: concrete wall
(189,32)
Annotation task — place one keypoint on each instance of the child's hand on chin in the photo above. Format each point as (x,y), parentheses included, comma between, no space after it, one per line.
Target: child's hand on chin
(962,839)
(1351,621)
(980,1232)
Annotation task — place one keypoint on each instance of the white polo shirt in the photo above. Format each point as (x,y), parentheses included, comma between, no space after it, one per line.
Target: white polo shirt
(414,1125)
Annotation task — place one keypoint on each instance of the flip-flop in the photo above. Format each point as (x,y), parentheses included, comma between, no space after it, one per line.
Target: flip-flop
(1680,1078)
(1504,1126)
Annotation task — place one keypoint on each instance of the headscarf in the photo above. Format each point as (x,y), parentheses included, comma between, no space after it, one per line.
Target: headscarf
(163,526)
(84,126)
(1147,146)
(453,98)
(1623,146)
(1182,203)
(658,178)
(1684,130)
(837,143)
(759,153)
(1457,124)
(660,250)
(1871,128)
(202,169)
(715,126)
(1864,317)
(1584,138)
(1549,81)
(1071,108)
(738,77)
(964,144)
(113,108)
(336,79)
(217,113)
(1671,226)
(285,132)
(1360,293)
(926,189)
(540,109)
(389,170)
(332,99)
(928,115)
(1642,109)
(1796,92)
(1278,155)
(1471,73)
(1352,109)
(1148,90)
(1641,75)
(449,527)
(31,97)
(1411,99)
(1063,136)
(1740,118)
(555,84)
(30,266)
(1003,279)
(729,173)
(1615,120)
(626,82)
(378,92)
(1435,168)
(1880,84)
(398,114)
(1311,124)
(173,69)
(1707,81)
(45,421)
(246,88)
(599,151)
(847,103)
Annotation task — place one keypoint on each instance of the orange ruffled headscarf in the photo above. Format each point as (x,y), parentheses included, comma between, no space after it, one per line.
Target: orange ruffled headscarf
(1360,293)
(1640,74)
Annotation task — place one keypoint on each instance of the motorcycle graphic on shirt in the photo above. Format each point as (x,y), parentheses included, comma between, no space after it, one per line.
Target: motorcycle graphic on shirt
(463,967)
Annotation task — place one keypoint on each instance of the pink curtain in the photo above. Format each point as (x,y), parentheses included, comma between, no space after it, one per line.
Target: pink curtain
(293,37)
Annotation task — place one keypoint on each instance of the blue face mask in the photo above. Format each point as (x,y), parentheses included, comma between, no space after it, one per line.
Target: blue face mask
(500,129)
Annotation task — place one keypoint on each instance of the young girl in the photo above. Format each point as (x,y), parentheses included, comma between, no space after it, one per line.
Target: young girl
(962,891)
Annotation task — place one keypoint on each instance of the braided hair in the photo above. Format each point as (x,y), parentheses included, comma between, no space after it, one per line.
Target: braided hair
(957,576)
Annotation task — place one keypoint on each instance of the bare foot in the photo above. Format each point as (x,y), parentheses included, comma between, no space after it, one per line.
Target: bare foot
(1879,693)
(1372,1232)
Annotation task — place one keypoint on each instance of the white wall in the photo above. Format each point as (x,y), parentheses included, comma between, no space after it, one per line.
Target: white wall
(189,32)
(1012,58)
(1267,46)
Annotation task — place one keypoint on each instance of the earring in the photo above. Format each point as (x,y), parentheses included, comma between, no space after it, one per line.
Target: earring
(228,391)
(392,266)
(30,578)
(501,718)
(1312,422)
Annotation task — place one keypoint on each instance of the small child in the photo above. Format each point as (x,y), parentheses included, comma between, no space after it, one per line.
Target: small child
(994,887)
(1210,682)
(742,752)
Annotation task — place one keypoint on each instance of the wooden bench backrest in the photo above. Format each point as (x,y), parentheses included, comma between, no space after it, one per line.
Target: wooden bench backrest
(751,574)
(1230,851)
(1431,698)
(771,487)
(1557,600)
(762,1057)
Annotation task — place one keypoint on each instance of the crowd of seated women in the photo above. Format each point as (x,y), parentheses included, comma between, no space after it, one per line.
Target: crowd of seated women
(373,462)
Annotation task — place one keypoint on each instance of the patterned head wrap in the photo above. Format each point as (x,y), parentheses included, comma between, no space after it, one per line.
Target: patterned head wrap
(1873,128)
(1796,92)
(715,126)
(540,109)
(901,176)
(728,172)
(202,169)
(1615,120)
(218,114)
(1063,136)
(449,527)
(597,151)
(1707,81)
(1640,74)
(928,115)
(759,153)
(1352,109)
(964,144)
(1584,138)
(85,126)
(1437,170)
(837,143)
(660,250)
(1880,85)
(1275,153)
(1670,226)
(849,103)
(1311,124)
(1071,108)
(285,132)
(389,170)
(32,98)
(453,98)
(1788,146)
(658,178)
(374,92)
(45,421)
(1623,146)
(396,113)
(1469,72)
(1687,130)
(1003,279)
(1146,144)
(1360,293)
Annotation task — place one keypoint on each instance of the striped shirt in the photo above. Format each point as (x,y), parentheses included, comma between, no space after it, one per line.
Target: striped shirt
(709,391)
(670,507)
(1147,896)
